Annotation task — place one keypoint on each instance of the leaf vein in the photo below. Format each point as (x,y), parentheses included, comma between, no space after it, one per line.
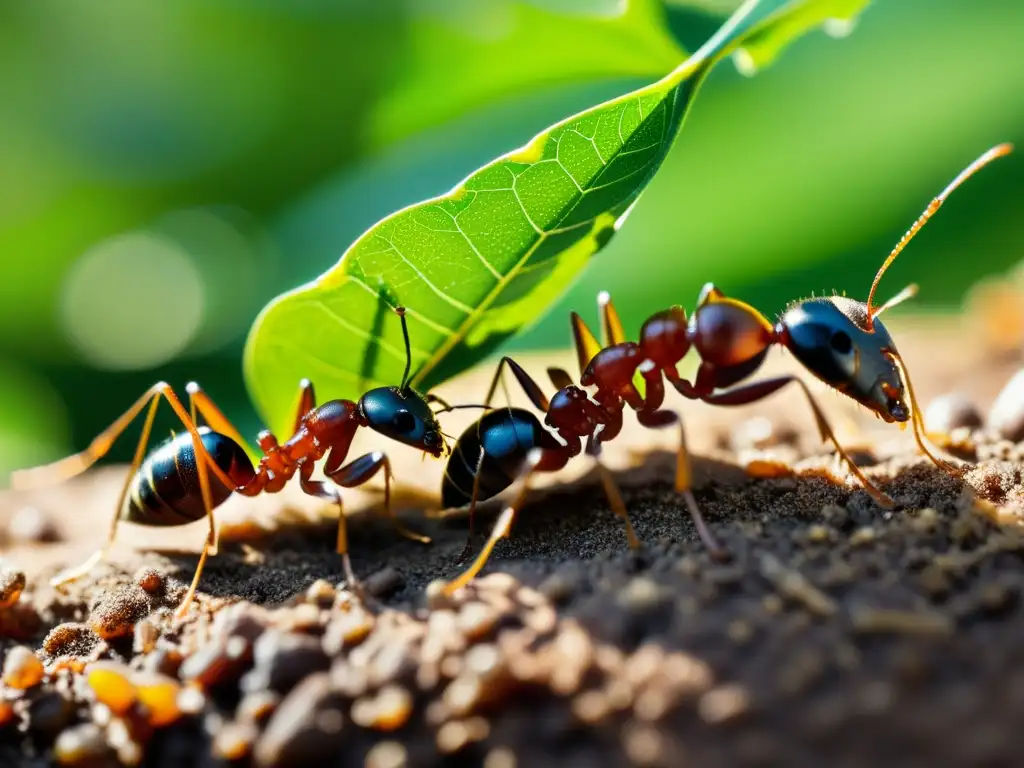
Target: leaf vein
(454,302)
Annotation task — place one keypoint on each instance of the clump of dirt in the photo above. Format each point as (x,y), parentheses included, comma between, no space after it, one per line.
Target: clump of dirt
(839,633)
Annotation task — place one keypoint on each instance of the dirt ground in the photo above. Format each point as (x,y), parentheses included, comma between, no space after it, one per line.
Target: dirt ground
(839,634)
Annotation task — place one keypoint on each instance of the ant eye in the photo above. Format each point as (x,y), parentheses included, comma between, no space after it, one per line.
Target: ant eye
(841,342)
(404,421)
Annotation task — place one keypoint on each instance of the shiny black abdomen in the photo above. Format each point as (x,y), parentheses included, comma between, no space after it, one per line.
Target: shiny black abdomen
(165,490)
(506,437)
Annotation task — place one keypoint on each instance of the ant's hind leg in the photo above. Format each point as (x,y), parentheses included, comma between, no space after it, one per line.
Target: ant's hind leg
(360,471)
(538,460)
(684,477)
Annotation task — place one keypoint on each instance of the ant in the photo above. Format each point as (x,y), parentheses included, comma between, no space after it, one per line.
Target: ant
(839,340)
(172,485)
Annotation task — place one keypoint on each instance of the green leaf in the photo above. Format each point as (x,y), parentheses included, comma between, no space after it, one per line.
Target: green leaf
(762,45)
(493,47)
(476,265)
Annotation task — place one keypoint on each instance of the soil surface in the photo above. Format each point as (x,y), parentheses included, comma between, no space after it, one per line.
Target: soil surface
(839,633)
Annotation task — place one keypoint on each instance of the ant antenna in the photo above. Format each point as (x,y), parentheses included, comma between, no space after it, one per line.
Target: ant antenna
(400,311)
(907,293)
(448,408)
(992,154)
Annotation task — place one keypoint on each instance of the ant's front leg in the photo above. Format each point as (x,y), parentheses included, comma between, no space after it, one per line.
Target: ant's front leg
(758,390)
(322,490)
(360,471)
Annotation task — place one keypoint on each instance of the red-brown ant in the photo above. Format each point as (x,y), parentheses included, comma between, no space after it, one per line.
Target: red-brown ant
(839,340)
(169,486)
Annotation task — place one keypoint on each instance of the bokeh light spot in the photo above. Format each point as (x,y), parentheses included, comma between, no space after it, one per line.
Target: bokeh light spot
(132,302)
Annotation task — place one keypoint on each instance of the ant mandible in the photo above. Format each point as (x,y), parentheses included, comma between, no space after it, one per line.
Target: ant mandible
(839,340)
(172,485)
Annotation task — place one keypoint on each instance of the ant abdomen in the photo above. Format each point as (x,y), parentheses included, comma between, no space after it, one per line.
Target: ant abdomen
(505,437)
(166,491)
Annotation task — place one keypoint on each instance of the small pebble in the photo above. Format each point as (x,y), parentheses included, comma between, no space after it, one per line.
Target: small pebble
(476,620)
(282,660)
(388,710)
(347,630)
(145,636)
(82,745)
(1007,414)
(12,584)
(299,734)
(111,686)
(159,695)
(70,639)
(864,535)
(320,593)
(150,580)
(951,411)
(117,612)
(217,662)
(384,582)
(166,661)
(22,670)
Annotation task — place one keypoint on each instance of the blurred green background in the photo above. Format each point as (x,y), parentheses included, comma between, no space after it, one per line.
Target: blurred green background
(167,168)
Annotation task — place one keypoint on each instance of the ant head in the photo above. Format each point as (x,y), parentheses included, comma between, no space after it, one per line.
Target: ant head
(842,341)
(400,412)
(402,415)
(830,338)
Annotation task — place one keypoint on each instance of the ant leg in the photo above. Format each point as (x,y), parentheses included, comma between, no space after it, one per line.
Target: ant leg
(684,477)
(306,403)
(538,460)
(472,507)
(749,393)
(613,332)
(530,387)
(611,490)
(321,490)
(560,378)
(586,344)
(200,403)
(432,398)
(360,471)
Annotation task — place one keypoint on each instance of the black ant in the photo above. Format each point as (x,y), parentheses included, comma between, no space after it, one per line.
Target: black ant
(170,486)
(839,340)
